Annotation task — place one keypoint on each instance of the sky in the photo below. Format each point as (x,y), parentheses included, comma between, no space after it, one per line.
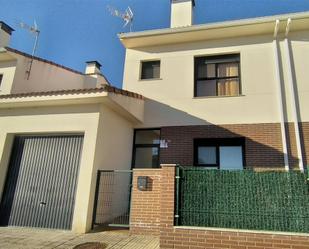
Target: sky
(76,31)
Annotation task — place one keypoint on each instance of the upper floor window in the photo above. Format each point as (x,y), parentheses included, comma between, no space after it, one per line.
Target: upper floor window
(217,75)
(1,77)
(150,70)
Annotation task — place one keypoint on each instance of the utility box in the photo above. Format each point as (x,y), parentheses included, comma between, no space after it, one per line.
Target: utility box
(142,183)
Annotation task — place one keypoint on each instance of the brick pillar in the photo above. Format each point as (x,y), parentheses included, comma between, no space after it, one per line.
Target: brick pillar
(167,204)
(145,205)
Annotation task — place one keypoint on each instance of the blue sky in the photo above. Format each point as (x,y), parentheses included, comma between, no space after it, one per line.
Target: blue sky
(75,31)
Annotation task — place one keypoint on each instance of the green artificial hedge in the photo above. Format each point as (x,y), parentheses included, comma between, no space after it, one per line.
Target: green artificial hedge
(274,201)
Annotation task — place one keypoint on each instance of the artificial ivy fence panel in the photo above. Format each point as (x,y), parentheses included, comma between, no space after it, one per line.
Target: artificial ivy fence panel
(274,201)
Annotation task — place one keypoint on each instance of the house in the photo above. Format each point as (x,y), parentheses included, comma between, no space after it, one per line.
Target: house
(235,89)
(229,95)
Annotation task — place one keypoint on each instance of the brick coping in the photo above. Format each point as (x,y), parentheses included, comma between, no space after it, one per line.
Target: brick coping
(240,231)
(147,169)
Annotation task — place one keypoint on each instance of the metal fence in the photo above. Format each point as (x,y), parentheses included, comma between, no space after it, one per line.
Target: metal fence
(112,198)
(274,201)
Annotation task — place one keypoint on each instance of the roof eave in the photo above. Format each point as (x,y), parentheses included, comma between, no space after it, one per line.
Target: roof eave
(128,38)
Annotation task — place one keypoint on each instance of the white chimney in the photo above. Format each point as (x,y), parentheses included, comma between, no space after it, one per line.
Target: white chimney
(93,67)
(5,34)
(94,77)
(182,13)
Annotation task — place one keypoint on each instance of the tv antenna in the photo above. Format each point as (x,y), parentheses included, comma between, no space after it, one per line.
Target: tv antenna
(126,16)
(34,30)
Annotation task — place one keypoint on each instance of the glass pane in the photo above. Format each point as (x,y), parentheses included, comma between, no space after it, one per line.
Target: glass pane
(147,137)
(231,157)
(146,157)
(150,70)
(201,70)
(228,70)
(206,88)
(207,155)
(228,87)
(156,71)
(211,70)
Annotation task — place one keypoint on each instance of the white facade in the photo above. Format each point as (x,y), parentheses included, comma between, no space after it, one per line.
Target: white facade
(171,98)
(44,75)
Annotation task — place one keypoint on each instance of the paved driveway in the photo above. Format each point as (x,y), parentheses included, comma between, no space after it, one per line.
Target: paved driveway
(24,238)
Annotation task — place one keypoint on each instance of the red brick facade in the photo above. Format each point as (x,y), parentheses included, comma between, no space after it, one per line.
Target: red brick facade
(145,205)
(152,212)
(263,146)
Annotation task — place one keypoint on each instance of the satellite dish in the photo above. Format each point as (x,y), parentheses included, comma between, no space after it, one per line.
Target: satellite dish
(126,16)
(36,32)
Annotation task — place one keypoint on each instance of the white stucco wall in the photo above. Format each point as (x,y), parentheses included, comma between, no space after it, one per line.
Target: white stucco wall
(108,138)
(44,77)
(300,55)
(7,69)
(56,120)
(172,98)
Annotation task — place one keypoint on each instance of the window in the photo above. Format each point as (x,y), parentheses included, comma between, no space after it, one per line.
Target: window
(146,148)
(219,153)
(217,76)
(1,77)
(150,70)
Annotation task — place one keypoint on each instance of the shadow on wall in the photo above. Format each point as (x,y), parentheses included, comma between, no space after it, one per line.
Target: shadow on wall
(263,146)
(211,44)
(302,127)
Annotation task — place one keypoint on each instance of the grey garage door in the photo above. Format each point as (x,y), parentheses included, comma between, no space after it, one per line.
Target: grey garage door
(41,182)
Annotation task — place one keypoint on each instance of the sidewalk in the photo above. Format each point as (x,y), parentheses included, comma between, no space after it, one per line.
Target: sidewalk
(25,238)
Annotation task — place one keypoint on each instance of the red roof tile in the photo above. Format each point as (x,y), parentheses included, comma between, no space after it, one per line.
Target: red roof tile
(105,88)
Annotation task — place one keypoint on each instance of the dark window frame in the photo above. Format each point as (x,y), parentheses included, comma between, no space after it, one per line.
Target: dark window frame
(149,61)
(217,142)
(228,58)
(1,78)
(145,145)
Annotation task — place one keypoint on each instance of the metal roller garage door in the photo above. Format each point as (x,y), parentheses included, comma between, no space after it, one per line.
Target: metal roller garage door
(41,182)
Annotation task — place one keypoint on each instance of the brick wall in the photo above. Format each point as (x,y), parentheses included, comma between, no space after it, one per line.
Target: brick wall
(211,239)
(263,146)
(153,213)
(145,205)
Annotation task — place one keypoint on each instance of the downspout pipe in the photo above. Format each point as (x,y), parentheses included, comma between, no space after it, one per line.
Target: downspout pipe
(280,97)
(291,84)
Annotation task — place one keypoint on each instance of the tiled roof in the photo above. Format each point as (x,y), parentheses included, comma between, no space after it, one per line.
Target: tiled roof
(105,88)
(13,50)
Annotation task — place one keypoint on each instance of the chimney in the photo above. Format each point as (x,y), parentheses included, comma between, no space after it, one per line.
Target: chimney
(182,13)
(93,67)
(5,34)
(94,77)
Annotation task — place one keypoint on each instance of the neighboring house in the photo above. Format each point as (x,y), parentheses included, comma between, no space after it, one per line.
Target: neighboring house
(228,95)
(57,128)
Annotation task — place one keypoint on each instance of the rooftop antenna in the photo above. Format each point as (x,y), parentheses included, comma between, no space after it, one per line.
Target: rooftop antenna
(34,30)
(126,16)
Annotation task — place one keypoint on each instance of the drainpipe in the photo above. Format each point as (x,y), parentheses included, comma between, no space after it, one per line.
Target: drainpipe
(280,98)
(293,96)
